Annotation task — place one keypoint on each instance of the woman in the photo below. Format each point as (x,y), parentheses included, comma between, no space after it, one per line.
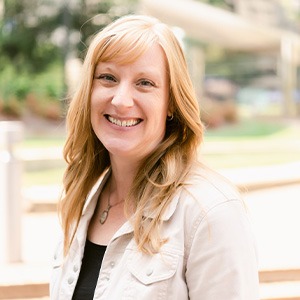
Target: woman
(141,218)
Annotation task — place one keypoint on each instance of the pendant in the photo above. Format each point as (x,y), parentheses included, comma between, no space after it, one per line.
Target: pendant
(103,217)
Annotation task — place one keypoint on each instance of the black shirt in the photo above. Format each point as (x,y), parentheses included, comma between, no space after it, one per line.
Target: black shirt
(89,273)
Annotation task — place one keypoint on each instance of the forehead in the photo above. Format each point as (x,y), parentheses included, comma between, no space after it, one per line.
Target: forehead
(151,60)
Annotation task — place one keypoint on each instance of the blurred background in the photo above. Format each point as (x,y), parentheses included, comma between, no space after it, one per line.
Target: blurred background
(244,58)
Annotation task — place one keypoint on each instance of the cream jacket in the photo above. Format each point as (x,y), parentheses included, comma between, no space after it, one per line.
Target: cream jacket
(210,253)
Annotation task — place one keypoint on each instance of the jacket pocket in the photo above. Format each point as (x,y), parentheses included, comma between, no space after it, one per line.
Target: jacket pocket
(152,269)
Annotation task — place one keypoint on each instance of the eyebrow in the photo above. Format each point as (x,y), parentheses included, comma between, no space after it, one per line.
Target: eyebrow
(105,67)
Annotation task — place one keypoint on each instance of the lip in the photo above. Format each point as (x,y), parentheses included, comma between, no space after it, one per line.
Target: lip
(122,122)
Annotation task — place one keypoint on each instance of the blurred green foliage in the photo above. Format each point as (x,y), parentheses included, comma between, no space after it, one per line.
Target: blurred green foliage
(24,37)
(39,93)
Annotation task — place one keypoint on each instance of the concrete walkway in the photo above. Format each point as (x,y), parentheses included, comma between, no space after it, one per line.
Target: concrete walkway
(274,210)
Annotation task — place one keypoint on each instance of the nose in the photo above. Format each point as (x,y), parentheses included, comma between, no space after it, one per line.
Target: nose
(122,98)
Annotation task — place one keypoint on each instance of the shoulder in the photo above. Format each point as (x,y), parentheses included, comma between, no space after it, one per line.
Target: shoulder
(209,203)
(214,213)
(207,189)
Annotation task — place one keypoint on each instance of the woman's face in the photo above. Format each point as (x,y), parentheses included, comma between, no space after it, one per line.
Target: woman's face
(129,104)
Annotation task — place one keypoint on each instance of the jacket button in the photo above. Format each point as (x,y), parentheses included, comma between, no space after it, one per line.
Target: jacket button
(112,264)
(149,272)
(75,268)
(70,280)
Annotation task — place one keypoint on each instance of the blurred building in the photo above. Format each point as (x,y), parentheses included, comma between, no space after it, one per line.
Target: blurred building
(258,27)
(267,12)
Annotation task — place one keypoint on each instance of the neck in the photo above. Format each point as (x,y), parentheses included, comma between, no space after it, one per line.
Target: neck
(122,177)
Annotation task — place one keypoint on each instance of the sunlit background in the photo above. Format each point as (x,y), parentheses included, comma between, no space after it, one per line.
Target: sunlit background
(244,59)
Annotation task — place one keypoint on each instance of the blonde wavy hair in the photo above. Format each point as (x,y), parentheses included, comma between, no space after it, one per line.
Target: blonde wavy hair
(164,170)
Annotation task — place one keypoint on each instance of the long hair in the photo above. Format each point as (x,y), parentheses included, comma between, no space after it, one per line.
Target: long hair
(161,172)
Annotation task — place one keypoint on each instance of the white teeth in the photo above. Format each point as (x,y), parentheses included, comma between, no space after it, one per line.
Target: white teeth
(127,123)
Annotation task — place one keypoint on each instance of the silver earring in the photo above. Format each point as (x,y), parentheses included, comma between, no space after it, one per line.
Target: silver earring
(170,118)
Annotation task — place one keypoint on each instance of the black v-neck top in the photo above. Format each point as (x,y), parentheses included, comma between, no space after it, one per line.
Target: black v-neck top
(89,273)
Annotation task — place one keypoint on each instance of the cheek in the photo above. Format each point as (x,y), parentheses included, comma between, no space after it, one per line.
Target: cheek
(93,109)
(97,100)
(159,117)
(161,109)
(92,105)
(96,104)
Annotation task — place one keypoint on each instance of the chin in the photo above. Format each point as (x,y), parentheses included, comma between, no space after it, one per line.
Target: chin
(129,154)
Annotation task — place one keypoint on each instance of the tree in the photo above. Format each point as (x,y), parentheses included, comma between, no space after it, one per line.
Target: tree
(36,32)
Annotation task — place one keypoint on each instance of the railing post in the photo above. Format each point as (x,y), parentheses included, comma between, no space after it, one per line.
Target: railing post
(11,133)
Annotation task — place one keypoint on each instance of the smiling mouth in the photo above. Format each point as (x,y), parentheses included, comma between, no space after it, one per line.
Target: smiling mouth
(123,123)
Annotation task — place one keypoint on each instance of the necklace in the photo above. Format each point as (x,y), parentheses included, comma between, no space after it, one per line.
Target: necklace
(104,214)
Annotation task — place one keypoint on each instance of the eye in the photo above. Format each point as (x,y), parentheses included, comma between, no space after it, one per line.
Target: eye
(146,83)
(106,77)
